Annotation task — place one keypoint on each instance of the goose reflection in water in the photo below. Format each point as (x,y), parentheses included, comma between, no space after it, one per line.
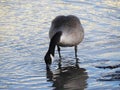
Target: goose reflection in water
(68,78)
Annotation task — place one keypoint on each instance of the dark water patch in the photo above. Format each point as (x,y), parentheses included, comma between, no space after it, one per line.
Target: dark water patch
(113,76)
(70,77)
(109,67)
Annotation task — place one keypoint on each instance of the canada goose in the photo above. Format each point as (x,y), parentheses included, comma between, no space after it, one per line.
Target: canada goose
(65,31)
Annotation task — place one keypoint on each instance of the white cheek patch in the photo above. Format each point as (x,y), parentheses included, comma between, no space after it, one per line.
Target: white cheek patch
(52,57)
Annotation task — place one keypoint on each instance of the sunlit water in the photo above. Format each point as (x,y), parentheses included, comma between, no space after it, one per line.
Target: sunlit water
(24,26)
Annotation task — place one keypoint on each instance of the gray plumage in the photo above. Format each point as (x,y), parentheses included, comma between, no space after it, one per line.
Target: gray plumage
(65,31)
(72,30)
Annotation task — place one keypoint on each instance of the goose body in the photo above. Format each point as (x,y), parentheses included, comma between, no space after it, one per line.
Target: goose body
(71,28)
(65,31)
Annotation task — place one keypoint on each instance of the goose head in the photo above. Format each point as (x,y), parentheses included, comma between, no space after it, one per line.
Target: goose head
(48,59)
(50,53)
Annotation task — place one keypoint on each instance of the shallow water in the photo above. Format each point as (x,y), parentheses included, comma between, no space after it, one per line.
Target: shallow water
(24,26)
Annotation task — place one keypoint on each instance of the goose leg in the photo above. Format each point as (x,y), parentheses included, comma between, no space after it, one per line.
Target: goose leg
(59,64)
(59,51)
(76,55)
(75,51)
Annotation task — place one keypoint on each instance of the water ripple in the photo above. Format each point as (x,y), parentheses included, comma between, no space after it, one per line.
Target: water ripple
(24,41)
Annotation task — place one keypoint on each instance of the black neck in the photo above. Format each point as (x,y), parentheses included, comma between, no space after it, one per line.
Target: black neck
(53,42)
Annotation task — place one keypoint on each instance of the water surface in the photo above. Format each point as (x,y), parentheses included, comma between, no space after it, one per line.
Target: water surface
(24,26)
